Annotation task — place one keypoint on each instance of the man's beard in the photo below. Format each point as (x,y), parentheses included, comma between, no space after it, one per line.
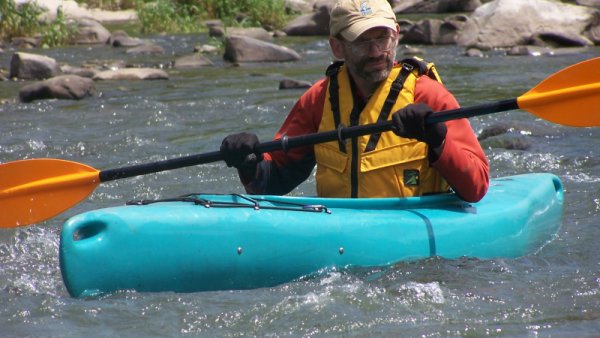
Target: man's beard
(358,69)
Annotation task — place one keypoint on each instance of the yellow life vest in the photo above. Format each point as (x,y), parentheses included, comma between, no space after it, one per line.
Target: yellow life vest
(378,165)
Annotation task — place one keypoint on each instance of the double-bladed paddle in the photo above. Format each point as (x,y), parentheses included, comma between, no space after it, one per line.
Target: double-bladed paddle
(35,190)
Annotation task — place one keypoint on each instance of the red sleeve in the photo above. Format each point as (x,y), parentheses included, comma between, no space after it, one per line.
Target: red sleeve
(462,163)
(304,118)
(281,172)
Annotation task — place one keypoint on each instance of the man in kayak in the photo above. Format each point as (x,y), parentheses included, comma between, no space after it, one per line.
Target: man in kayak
(366,87)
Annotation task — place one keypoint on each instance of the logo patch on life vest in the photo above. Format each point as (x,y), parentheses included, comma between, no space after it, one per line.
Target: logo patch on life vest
(411,177)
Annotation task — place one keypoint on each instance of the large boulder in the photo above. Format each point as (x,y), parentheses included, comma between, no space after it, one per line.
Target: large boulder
(26,66)
(316,23)
(91,32)
(507,23)
(436,6)
(245,49)
(120,38)
(65,87)
(434,31)
(591,3)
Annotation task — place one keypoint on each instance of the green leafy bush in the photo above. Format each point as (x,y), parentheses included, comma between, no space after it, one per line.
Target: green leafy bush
(186,15)
(167,16)
(18,20)
(23,21)
(58,32)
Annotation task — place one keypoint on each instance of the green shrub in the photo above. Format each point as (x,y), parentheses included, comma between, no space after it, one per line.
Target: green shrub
(18,21)
(263,13)
(168,16)
(186,15)
(23,20)
(58,32)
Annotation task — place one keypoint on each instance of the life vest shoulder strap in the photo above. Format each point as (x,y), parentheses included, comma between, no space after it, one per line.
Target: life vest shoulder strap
(334,99)
(422,67)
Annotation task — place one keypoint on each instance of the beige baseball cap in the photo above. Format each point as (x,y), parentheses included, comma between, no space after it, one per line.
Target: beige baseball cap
(351,18)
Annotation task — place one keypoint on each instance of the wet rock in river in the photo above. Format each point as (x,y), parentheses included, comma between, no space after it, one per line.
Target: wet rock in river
(146,49)
(245,49)
(288,83)
(28,66)
(132,74)
(258,33)
(192,61)
(120,38)
(65,87)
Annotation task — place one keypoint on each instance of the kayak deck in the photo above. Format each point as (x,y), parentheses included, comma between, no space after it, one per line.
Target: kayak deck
(219,242)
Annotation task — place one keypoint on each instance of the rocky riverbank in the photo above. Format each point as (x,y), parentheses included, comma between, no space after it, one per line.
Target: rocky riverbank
(536,27)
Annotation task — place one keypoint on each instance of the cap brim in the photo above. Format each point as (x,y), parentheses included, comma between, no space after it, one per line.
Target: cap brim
(357,29)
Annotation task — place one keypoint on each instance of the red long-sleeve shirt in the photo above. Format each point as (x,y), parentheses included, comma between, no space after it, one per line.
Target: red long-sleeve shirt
(462,162)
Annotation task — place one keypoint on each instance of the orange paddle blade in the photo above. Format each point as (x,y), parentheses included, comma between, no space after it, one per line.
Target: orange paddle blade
(570,97)
(34,190)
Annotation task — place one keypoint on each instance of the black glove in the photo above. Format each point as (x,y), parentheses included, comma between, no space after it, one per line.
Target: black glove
(238,151)
(409,122)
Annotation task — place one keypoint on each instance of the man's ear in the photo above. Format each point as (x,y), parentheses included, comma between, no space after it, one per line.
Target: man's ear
(337,48)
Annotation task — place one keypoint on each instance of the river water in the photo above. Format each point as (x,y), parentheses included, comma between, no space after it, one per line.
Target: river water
(554,291)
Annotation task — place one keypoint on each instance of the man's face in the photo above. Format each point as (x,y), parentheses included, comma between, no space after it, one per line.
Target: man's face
(371,56)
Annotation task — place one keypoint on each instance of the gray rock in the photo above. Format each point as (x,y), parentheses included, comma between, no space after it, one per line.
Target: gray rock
(258,33)
(245,49)
(436,6)
(316,23)
(591,3)
(132,74)
(91,32)
(122,39)
(425,31)
(507,23)
(434,31)
(299,6)
(25,42)
(288,83)
(146,49)
(83,72)
(560,39)
(206,49)
(65,87)
(216,31)
(474,52)
(593,33)
(192,61)
(28,66)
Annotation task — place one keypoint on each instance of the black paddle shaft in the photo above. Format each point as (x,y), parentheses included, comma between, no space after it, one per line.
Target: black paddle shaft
(286,143)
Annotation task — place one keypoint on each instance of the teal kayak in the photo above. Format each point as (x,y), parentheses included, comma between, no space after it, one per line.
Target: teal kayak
(220,242)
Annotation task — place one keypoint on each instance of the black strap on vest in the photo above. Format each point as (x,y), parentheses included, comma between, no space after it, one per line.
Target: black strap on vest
(334,99)
(389,103)
(408,65)
(421,67)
